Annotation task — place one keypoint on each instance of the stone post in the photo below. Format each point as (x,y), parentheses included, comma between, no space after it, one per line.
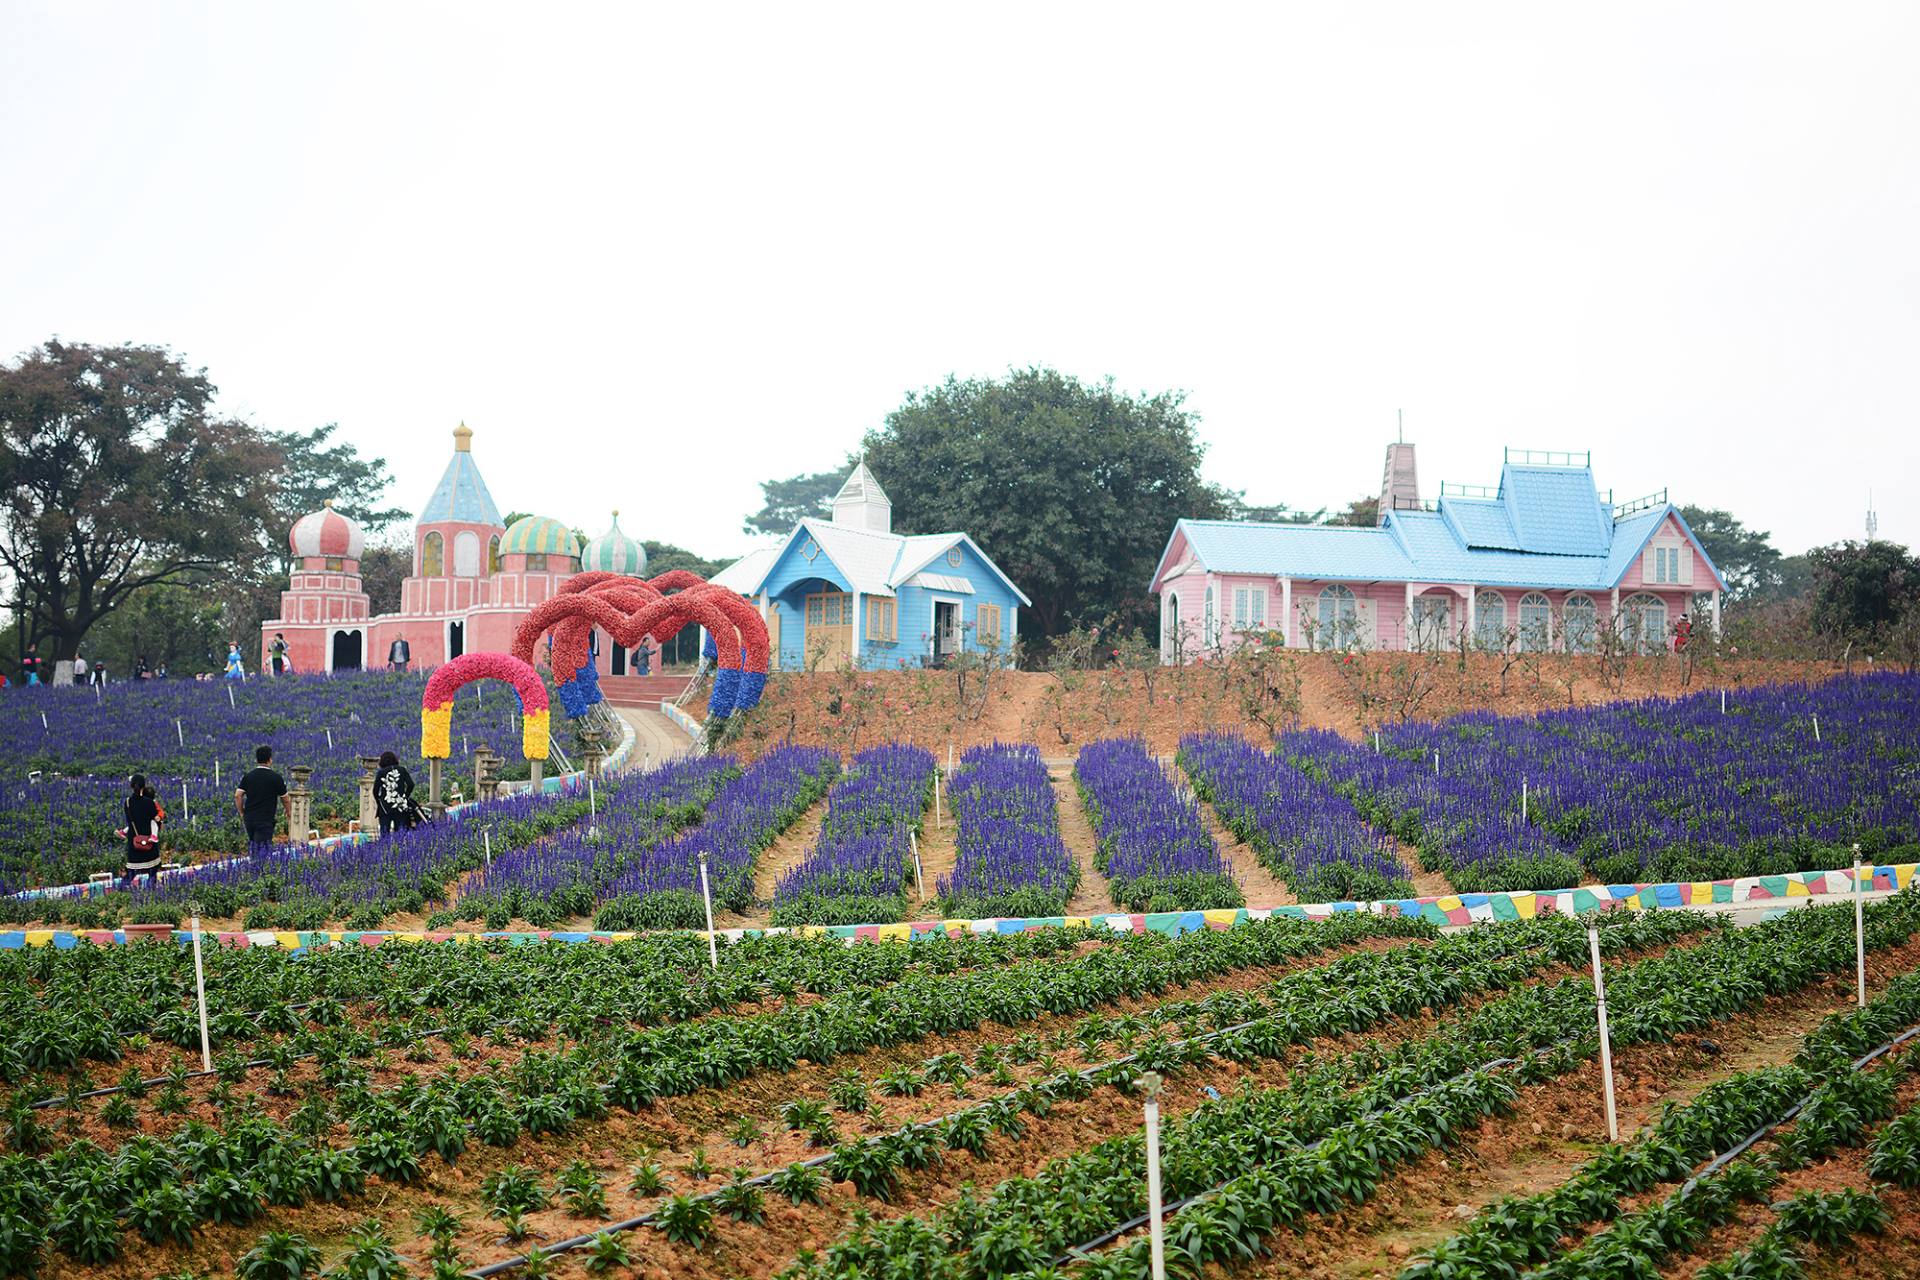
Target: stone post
(300,809)
(369,814)
(434,778)
(591,752)
(486,772)
(535,767)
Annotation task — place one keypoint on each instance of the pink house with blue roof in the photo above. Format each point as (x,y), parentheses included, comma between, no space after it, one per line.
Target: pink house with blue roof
(1544,560)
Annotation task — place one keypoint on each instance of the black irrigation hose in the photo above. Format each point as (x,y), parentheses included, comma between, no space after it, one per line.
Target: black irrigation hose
(63,1099)
(628,1224)
(1082,1249)
(1721,1161)
(760,1179)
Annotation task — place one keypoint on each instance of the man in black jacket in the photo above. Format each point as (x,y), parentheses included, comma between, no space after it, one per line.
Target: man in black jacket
(256,799)
(398,654)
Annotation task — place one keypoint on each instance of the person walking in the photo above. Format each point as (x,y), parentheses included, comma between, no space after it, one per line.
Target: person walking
(393,795)
(399,654)
(262,791)
(79,669)
(236,665)
(277,653)
(144,816)
(30,666)
(100,672)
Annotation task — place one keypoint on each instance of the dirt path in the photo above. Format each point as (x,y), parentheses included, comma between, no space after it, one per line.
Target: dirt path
(1094,896)
(1262,887)
(1554,1128)
(788,850)
(1426,884)
(936,855)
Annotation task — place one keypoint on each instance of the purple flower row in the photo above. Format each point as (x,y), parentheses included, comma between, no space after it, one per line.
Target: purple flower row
(1009,859)
(1305,833)
(660,887)
(1152,843)
(857,871)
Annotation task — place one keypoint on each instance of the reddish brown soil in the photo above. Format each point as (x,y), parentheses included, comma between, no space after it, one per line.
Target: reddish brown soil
(1554,1128)
(1094,894)
(851,710)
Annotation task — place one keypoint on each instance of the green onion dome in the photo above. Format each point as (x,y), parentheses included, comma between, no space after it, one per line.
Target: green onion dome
(539,535)
(614,552)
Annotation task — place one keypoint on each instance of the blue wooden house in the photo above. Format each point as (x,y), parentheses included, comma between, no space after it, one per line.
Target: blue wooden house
(850,592)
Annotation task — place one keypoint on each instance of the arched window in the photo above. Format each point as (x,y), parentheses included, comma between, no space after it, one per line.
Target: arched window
(1339,617)
(1536,622)
(1171,642)
(466,554)
(1643,623)
(1432,624)
(1210,622)
(433,555)
(1490,620)
(493,554)
(1579,622)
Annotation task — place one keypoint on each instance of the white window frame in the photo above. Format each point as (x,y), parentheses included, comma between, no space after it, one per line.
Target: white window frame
(1210,620)
(1489,619)
(1536,638)
(1249,608)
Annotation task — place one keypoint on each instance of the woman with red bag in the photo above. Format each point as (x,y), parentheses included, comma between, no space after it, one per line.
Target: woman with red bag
(144,816)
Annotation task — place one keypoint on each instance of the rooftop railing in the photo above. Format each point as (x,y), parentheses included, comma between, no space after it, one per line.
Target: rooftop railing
(1548,458)
(1658,498)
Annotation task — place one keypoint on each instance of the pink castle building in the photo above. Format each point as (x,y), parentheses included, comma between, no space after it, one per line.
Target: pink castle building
(474,580)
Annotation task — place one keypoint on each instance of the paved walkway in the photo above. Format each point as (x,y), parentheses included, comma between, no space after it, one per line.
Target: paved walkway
(656,738)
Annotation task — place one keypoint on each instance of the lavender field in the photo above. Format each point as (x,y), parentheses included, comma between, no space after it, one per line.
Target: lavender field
(1784,778)
(58,827)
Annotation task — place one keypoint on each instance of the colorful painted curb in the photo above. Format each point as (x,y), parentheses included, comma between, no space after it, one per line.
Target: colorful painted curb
(1453,909)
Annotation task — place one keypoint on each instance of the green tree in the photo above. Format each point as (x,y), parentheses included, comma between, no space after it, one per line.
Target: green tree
(1863,590)
(1361,512)
(383,567)
(663,557)
(1746,558)
(176,623)
(115,475)
(787,502)
(1071,487)
(315,468)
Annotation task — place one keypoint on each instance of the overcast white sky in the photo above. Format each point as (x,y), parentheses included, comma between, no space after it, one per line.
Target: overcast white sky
(655,255)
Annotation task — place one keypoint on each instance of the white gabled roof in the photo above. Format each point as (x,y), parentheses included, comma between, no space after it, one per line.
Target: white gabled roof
(862,487)
(872,562)
(865,556)
(745,574)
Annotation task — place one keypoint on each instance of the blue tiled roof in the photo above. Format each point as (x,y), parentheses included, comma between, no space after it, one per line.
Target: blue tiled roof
(1413,546)
(1555,510)
(461,495)
(1479,522)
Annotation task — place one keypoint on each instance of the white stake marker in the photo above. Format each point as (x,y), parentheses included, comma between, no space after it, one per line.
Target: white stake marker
(1606,1042)
(179,733)
(216,773)
(329,737)
(183,800)
(1816,728)
(913,842)
(230,701)
(200,988)
(936,800)
(1859,928)
(1156,1228)
(706,893)
(1523,799)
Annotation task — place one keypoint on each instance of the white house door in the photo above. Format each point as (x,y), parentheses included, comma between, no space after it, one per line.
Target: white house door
(946,628)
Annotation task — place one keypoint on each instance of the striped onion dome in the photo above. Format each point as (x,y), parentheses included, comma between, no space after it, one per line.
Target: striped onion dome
(615,552)
(539,535)
(326,533)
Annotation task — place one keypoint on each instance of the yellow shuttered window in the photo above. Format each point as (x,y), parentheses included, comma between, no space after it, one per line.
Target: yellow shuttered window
(882,619)
(986,626)
(829,609)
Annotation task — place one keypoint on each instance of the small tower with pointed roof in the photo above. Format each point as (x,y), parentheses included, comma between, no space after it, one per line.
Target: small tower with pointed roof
(862,503)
